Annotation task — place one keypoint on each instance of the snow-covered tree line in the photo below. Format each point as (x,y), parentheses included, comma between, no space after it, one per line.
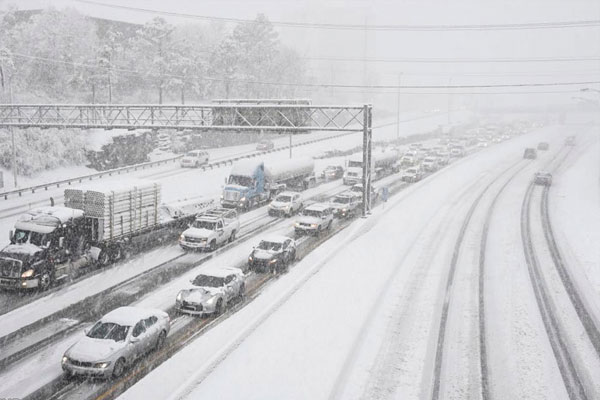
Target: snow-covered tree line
(63,56)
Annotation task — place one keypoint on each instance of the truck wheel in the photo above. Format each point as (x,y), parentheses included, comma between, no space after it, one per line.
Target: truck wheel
(44,281)
(116,254)
(118,368)
(103,258)
(213,245)
(219,307)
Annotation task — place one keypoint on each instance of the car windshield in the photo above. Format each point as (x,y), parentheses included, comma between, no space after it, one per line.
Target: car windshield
(39,239)
(357,189)
(208,281)
(411,171)
(245,181)
(342,200)
(284,198)
(312,213)
(108,330)
(200,224)
(264,245)
(355,164)
(192,154)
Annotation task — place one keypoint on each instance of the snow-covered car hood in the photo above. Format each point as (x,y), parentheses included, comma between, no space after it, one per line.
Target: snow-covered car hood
(309,220)
(94,350)
(264,254)
(199,295)
(198,233)
(23,248)
(279,204)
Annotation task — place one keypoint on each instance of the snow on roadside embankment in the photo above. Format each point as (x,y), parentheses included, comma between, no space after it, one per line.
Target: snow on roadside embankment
(574,208)
(293,340)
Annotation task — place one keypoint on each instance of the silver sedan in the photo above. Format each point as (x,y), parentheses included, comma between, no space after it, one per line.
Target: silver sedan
(116,341)
(211,291)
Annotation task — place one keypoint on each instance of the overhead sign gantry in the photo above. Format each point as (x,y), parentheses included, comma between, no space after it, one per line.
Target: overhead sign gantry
(282,118)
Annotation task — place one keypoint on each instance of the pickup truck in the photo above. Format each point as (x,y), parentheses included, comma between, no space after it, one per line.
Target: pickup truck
(210,230)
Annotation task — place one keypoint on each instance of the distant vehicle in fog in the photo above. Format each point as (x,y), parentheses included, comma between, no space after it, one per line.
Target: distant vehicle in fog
(543,178)
(543,146)
(332,172)
(530,153)
(264,145)
(194,158)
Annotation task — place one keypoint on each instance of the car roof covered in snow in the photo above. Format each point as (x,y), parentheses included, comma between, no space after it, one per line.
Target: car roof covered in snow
(287,193)
(130,316)
(318,207)
(221,272)
(275,239)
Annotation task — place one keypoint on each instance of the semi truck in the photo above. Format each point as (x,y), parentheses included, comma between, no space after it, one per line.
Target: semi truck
(382,164)
(96,226)
(254,182)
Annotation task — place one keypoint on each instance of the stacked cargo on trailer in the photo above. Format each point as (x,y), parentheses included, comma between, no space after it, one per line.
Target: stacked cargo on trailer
(98,224)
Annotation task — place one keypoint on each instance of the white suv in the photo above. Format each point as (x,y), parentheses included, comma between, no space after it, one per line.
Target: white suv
(314,219)
(194,158)
(285,204)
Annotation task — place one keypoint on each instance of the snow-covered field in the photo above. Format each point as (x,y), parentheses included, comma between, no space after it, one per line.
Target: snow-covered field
(358,316)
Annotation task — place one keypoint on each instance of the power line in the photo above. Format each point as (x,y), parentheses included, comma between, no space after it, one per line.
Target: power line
(454,60)
(362,27)
(321,85)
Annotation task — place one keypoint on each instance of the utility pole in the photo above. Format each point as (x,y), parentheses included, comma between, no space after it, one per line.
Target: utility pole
(12,137)
(449,100)
(398,109)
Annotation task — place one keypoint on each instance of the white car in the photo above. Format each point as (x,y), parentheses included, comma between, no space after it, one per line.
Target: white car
(211,291)
(194,159)
(346,204)
(430,164)
(116,341)
(286,204)
(314,219)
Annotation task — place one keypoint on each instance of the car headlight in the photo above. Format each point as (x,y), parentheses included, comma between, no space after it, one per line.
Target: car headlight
(250,259)
(314,225)
(297,224)
(242,200)
(182,238)
(179,297)
(344,210)
(273,261)
(211,300)
(27,274)
(102,364)
(65,359)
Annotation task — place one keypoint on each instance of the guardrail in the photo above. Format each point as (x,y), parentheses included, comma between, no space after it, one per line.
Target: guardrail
(142,166)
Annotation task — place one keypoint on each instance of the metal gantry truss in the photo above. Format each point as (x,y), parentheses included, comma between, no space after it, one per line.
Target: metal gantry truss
(225,117)
(208,117)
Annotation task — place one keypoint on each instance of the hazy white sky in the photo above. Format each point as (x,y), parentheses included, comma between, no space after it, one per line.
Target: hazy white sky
(311,42)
